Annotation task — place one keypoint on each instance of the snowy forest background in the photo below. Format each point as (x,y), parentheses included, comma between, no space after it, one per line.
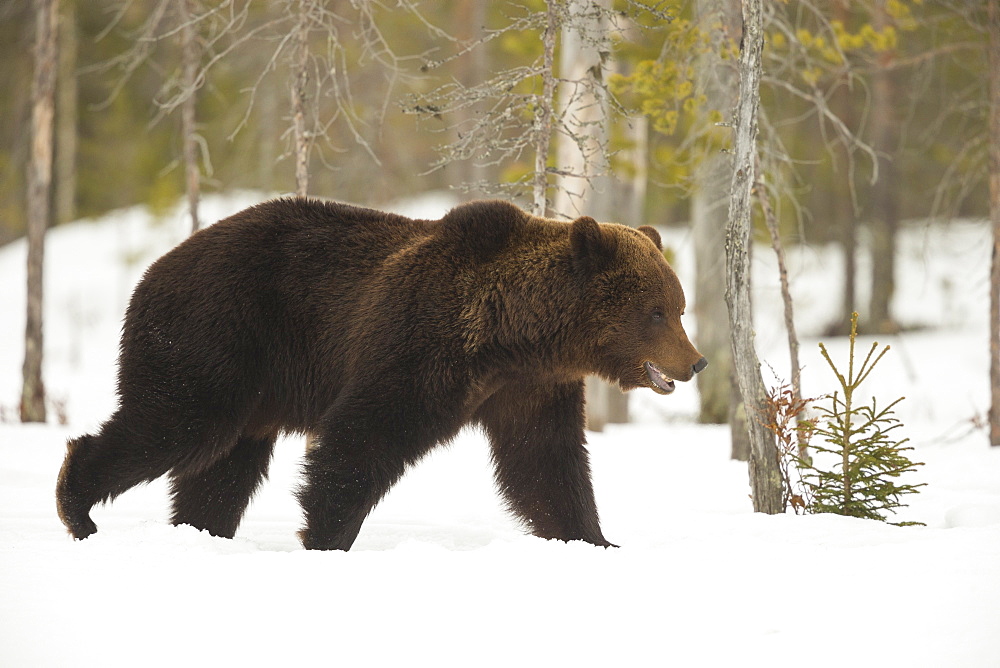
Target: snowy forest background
(873,161)
(873,117)
(837,75)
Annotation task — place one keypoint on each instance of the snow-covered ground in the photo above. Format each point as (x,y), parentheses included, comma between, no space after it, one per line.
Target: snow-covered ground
(441,576)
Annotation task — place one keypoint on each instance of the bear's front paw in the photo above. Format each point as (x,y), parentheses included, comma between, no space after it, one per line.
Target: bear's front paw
(312,541)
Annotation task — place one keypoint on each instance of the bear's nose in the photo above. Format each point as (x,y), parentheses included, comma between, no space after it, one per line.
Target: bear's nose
(699,365)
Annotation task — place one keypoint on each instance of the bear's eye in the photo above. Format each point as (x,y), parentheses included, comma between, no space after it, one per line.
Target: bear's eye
(658,316)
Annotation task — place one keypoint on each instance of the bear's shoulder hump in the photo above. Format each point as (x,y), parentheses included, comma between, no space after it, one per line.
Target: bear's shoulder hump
(485,227)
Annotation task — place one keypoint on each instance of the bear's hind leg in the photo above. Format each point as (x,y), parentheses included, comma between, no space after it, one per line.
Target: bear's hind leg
(215,498)
(99,467)
(540,460)
(74,498)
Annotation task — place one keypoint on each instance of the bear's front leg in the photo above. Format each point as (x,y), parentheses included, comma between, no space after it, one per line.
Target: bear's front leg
(344,481)
(359,455)
(540,460)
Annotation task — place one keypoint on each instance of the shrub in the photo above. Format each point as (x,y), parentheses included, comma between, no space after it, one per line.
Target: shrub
(865,481)
(784,414)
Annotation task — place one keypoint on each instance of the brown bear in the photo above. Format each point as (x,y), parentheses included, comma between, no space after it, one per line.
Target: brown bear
(381,336)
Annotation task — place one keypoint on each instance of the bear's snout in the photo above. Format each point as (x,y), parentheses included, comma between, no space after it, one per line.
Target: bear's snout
(699,365)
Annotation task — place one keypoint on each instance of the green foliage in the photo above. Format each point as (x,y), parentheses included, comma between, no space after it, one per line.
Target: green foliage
(865,481)
(822,49)
(662,85)
(664,88)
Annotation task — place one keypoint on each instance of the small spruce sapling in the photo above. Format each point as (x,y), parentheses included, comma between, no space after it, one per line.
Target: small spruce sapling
(865,481)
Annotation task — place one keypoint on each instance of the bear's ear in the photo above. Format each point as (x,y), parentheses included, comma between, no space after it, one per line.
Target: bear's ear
(652,234)
(592,246)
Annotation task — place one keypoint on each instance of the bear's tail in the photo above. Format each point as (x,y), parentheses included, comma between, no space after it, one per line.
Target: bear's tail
(71,503)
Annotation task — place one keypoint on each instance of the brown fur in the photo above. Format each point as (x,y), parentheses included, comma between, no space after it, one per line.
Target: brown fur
(382,336)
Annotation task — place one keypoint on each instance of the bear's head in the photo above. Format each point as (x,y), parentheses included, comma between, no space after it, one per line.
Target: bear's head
(636,303)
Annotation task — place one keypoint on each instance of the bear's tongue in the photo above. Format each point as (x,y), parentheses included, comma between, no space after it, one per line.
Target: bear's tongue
(658,378)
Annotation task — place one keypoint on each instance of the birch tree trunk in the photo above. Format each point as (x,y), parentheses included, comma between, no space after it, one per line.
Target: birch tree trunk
(300,79)
(469,25)
(765,478)
(39,196)
(718,393)
(582,145)
(543,120)
(583,183)
(191,59)
(630,208)
(993,29)
(638,156)
(771,220)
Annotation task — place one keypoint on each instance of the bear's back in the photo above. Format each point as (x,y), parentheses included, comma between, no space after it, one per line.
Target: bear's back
(279,243)
(307,229)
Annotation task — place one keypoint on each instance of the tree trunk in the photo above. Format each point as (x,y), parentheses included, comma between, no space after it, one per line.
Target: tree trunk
(765,478)
(634,199)
(994,141)
(885,212)
(582,145)
(66,114)
(841,203)
(543,118)
(469,24)
(300,79)
(719,394)
(191,58)
(717,390)
(712,339)
(270,110)
(39,197)
(583,184)
(630,200)
(771,221)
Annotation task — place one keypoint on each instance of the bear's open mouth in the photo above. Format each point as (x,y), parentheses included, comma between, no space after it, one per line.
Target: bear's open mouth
(659,380)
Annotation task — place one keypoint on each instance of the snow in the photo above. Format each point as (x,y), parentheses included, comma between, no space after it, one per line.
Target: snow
(440,574)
